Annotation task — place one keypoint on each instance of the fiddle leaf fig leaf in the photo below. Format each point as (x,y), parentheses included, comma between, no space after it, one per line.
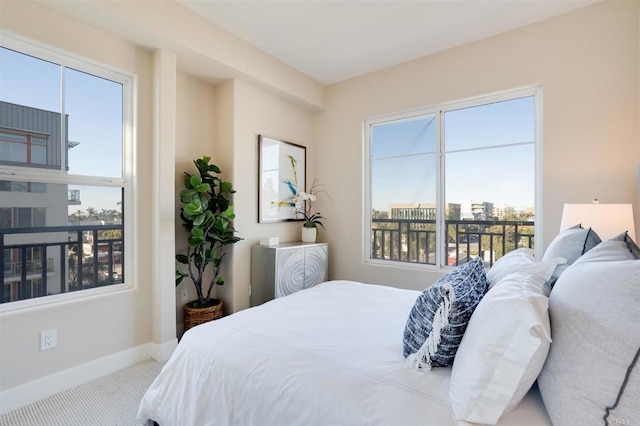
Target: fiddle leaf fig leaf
(199,220)
(228,213)
(203,187)
(196,238)
(194,208)
(195,180)
(188,195)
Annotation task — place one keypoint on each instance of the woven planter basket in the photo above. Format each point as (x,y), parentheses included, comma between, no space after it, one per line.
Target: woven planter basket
(197,316)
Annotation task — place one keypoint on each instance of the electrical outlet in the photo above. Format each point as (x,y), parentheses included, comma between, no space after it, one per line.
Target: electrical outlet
(48,339)
(184,295)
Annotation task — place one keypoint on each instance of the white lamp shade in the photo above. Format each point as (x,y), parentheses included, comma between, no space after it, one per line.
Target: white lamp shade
(608,220)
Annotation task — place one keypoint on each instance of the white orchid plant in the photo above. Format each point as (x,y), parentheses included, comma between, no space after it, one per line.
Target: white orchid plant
(304,202)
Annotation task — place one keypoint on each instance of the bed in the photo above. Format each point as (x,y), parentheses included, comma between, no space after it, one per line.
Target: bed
(328,355)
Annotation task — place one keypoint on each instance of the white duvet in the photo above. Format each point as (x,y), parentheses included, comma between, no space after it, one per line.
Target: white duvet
(329,355)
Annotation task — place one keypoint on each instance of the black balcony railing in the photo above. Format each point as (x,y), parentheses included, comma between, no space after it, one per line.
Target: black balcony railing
(13,269)
(87,256)
(414,241)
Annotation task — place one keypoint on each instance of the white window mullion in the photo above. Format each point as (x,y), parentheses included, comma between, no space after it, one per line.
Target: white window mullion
(539,235)
(63,128)
(367,203)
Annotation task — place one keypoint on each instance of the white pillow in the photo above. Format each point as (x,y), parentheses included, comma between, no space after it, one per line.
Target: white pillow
(511,262)
(504,347)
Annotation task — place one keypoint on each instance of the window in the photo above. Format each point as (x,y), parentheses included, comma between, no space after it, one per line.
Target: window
(65,147)
(22,217)
(453,182)
(22,147)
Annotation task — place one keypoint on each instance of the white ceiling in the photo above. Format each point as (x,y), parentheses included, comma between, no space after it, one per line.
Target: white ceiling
(334,40)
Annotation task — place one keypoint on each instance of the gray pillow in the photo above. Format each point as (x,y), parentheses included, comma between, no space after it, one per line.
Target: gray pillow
(440,316)
(631,245)
(570,244)
(591,374)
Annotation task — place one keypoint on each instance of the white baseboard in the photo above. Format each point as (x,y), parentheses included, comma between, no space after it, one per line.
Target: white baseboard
(162,352)
(27,393)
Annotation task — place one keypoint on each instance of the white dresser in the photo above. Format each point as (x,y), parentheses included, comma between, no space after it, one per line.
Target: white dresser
(278,271)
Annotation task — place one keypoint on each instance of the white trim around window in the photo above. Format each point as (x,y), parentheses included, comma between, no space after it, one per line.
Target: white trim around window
(59,176)
(439,111)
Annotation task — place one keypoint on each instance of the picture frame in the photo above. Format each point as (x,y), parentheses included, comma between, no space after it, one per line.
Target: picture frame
(282,173)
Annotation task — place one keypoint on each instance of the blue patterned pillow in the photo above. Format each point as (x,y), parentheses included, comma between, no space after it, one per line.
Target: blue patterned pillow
(440,315)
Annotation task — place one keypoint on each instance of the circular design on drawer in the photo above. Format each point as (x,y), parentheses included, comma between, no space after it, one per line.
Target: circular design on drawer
(315,265)
(291,276)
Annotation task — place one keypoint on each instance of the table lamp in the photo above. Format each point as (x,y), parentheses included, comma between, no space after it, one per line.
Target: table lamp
(607,220)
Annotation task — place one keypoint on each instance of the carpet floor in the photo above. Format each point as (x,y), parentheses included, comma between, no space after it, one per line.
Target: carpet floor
(111,400)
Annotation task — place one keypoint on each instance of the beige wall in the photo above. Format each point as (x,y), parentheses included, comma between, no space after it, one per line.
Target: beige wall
(195,137)
(242,112)
(587,64)
(259,112)
(92,327)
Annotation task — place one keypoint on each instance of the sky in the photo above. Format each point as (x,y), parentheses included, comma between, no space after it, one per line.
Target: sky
(94,108)
(489,155)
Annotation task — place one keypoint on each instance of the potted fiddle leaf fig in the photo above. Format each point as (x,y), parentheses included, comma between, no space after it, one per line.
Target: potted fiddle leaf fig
(207,216)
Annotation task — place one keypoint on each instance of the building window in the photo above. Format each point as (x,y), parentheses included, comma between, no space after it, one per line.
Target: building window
(22,147)
(453,182)
(66,147)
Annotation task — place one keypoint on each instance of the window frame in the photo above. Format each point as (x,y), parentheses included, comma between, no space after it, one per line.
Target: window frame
(59,175)
(439,110)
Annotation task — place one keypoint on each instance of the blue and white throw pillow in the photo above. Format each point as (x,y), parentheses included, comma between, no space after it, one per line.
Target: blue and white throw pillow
(440,315)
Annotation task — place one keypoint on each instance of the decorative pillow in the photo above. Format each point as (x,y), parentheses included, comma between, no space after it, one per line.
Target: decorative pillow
(511,262)
(593,360)
(504,347)
(570,244)
(440,315)
(631,245)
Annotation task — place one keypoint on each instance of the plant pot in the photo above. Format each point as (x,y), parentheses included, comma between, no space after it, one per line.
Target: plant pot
(309,235)
(196,316)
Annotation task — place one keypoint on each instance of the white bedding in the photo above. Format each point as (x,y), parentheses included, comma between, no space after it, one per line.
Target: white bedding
(329,355)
